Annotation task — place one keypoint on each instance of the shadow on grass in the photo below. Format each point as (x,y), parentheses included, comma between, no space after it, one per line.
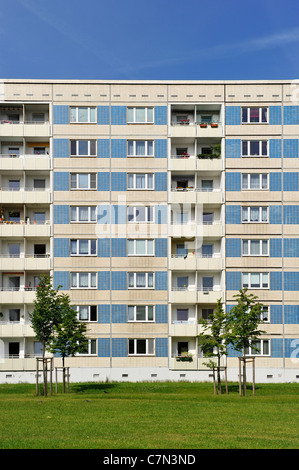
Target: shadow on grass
(91,387)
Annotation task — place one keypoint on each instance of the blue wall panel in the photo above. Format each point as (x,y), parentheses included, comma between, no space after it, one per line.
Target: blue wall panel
(161,313)
(103,181)
(275,247)
(119,313)
(233,247)
(291,215)
(103,115)
(291,115)
(61,148)
(61,278)
(118,115)
(275,150)
(61,214)
(161,115)
(161,181)
(161,247)
(275,181)
(61,181)
(119,280)
(103,347)
(119,347)
(275,113)
(61,247)
(232,115)
(233,148)
(103,148)
(60,114)
(290,181)
(233,214)
(103,280)
(233,181)
(291,247)
(103,247)
(290,148)
(161,347)
(161,148)
(119,181)
(161,280)
(275,280)
(104,313)
(233,280)
(118,148)
(275,216)
(118,247)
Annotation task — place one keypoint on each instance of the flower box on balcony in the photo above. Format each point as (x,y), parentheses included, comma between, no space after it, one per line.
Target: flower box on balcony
(203,124)
(184,358)
(214,125)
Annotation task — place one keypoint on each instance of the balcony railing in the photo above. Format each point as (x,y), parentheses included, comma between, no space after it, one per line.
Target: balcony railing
(22,255)
(17,289)
(23,155)
(8,121)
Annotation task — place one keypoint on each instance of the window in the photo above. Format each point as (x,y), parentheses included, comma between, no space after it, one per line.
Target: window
(141,280)
(39,218)
(86,312)
(255,247)
(14,250)
(140,115)
(140,148)
(254,115)
(259,347)
(140,181)
(14,185)
(207,313)
(140,313)
(255,181)
(255,214)
(83,214)
(83,247)
(142,347)
(265,315)
(140,247)
(91,348)
(39,184)
(255,148)
(83,148)
(182,314)
(256,280)
(14,314)
(82,114)
(140,214)
(83,280)
(83,180)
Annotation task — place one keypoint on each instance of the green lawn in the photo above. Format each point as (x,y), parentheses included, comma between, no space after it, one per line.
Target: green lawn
(149,416)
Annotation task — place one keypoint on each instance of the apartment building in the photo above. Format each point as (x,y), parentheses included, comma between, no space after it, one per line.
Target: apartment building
(147,201)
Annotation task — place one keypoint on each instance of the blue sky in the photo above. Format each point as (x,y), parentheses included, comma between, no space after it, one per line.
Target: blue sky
(153,40)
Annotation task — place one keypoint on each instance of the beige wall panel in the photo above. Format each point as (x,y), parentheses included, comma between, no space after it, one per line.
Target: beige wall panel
(292,331)
(290,230)
(84,130)
(142,262)
(291,297)
(259,363)
(140,196)
(84,361)
(77,164)
(81,196)
(253,262)
(81,263)
(28,91)
(147,361)
(94,330)
(290,196)
(263,295)
(136,295)
(251,130)
(291,263)
(293,363)
(138,163)
(134,131)
(142,330)
(291,130)
(140,230)
(89,295)
(271,329)
(255,94)
(253,163)
(290,163)
(135,92)
(64,92)
(253,229)
(199,92)
(291,92)
(253,196)
(88,230)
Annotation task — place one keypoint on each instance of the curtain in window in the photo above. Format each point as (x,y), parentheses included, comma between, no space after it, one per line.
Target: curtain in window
(140,115)
(140,247)
(83,279)
(83,147)
(140,181)
(255,181)
(255,247)
(140,279)
(83,313)
(140,147)
(255,280)
(254,214)
(83,214)
(264,214)
(83,247)
(83,115)
(130,181)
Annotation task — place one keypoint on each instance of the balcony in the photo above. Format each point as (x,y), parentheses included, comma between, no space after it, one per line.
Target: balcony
(25,162)
(25,262)
(184,328)
(196,120)
(24,129)
(193,261)
(25,196)
(15,329)
(191,195)
(14,295)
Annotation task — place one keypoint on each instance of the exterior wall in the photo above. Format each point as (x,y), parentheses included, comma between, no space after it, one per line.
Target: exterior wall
(112,198)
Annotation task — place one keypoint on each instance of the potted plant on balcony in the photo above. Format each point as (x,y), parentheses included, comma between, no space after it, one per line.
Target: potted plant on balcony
(185,155)
(203,124)
(214,124)
(185,357)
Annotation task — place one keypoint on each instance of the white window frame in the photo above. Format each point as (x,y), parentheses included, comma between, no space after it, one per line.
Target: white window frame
(135,313)
(78,154)
(148,243)
(262,342)
(90,214)
(260,218)
(89,115)
(149,214)
(92,185)
(260,121)
(92,343)
(265,314)
(149,346)
(92,279)
(78,241)
(251,285)
(260,154)
(89,307)
(146,145)
(250,176)
(147,181)
(147,119)
(261,243)
(132,280)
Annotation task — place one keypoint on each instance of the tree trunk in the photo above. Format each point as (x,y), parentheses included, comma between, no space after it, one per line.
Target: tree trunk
(244,373)
(218,376)
(63,375)
(45,371)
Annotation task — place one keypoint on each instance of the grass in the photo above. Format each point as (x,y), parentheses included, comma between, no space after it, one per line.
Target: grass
(149,416)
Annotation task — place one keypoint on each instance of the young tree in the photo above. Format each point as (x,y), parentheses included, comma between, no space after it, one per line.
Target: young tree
(69,334)
(243,322)
(213,339)
(45,316)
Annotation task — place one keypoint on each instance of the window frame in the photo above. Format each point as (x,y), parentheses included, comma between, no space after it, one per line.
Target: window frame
(260,221)
(90,182)
(147,280)
(260,240)
(89,154)
(147,118)
(250,284)
(78,240)
(149,212)
(89,307)
(146,188)
(135,313)
(260,117)
(89,120)
(77,221)
(90,277)
(89,348)
(146,240)
(134,341)
(263,342)
(249,154)
(146,146)
(249,183)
